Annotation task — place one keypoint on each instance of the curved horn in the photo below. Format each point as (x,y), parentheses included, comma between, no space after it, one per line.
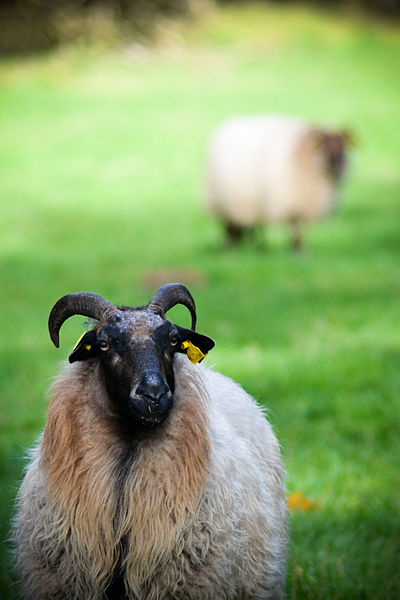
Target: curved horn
(171,294)
(83,303)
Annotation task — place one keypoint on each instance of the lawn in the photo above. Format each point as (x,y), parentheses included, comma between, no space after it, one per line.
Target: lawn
(102,153)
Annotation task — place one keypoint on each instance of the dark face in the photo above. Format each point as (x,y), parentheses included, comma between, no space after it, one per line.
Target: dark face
(136,349)
(335,154)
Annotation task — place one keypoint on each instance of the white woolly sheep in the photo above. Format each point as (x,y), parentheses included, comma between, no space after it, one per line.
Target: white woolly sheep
(154,478)
(272,169)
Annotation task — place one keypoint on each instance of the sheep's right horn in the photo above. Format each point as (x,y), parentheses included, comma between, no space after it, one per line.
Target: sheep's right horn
(83,303)
(171,294)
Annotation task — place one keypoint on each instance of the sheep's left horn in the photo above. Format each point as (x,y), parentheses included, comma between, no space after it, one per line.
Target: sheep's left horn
(83,303)
(171,294)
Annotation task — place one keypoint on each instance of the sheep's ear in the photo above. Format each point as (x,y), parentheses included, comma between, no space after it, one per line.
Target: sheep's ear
(84,347)
(195,345)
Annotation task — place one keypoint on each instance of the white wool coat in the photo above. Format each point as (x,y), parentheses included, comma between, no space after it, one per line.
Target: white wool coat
(263,169)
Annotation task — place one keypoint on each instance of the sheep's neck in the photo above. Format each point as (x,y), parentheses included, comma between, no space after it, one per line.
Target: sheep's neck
(120,495)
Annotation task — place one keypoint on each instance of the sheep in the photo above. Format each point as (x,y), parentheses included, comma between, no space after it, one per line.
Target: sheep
(273,169)
(155,477)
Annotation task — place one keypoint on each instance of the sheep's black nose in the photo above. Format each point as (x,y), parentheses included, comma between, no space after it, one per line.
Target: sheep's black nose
(151,401)
(152,388)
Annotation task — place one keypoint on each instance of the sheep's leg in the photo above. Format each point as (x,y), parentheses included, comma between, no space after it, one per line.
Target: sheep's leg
(251,234)
(234,233)
(297,235)
(258,237)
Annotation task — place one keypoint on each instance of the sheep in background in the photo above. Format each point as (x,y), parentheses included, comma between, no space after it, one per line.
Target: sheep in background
(154,478)
(273,169)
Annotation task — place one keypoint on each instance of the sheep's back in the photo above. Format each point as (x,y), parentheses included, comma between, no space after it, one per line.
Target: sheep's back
(233,176)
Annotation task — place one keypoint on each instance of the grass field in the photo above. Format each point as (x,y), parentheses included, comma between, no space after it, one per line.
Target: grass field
(101,158)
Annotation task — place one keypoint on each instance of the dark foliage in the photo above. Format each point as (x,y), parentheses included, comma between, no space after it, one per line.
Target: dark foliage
(28,25)
(382,7)
(31,25)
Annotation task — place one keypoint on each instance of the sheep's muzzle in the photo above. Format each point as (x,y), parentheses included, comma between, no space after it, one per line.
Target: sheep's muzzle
(151,401)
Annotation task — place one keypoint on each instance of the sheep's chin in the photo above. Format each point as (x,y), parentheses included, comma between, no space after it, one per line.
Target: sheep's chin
(146,417)
(146,411)
(151,420)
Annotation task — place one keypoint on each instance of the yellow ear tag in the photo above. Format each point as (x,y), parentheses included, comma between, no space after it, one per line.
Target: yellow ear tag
(193,352)
(87,347)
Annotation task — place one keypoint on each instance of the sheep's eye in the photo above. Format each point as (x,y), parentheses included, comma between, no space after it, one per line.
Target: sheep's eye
(173,341)
(104,346)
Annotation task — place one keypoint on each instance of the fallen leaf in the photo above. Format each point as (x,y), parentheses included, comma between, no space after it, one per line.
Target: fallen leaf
(297,501)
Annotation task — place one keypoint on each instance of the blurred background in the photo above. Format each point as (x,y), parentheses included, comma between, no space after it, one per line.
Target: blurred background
(106,112)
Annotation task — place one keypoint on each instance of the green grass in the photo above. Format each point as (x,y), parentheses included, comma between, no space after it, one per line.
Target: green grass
(101,158)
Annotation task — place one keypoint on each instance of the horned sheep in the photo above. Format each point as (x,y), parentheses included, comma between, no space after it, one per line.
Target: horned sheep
(273,169)
(154,478)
